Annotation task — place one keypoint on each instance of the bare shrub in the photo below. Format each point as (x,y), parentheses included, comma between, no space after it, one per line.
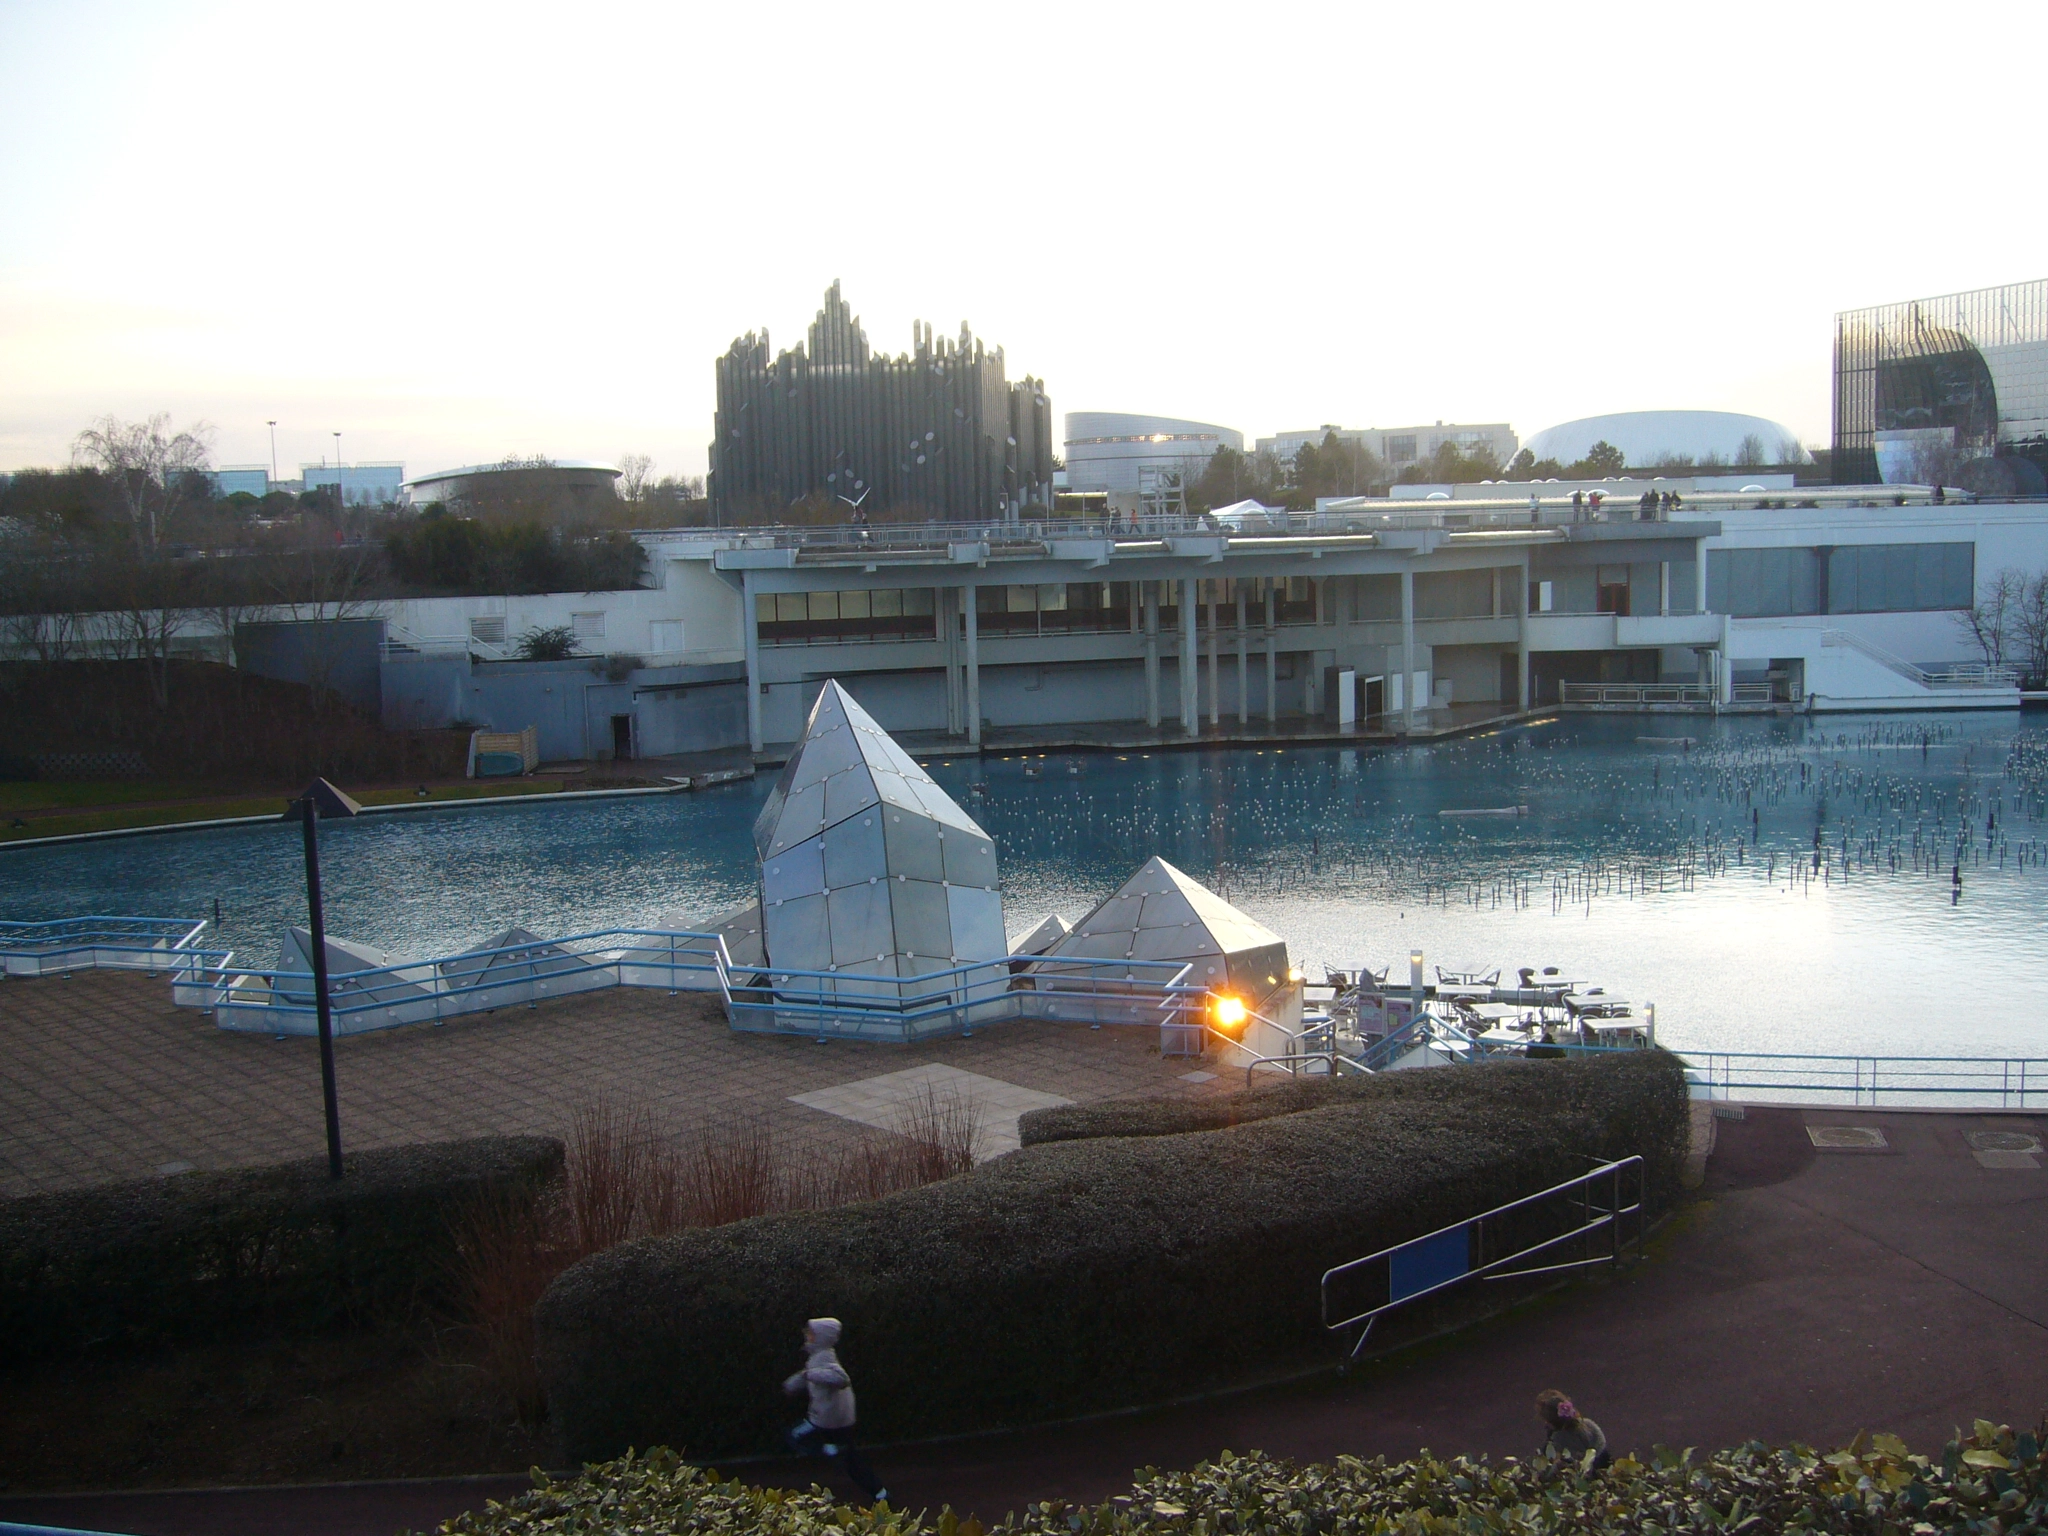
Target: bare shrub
(628,1178)
(504,1262)
(730,1171)
(944,1131)
(609,1154)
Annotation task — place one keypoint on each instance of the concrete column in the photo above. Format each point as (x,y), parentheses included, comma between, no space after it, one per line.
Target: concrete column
(1190,659)
(1244,697)
(1699,572)
(1663,588)
(1151,599)
(1272,662)
(1215,693)
(1407,650)
(1522,640)
(973,667)
(1725,674)
(1316,582)
(949,617)
(750,628)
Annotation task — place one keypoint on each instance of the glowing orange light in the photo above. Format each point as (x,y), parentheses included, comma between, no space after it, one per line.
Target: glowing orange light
(1230,1012)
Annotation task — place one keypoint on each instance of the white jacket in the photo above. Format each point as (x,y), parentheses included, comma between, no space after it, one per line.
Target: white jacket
(830,1387)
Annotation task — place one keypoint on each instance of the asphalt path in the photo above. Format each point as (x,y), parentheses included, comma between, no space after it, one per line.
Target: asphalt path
(1806,1295)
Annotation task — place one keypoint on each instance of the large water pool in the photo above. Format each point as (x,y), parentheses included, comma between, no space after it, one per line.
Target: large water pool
(1684,874)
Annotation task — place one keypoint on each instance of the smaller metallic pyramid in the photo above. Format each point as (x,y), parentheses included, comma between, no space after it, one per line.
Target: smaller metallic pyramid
(867,866)
(1162,914)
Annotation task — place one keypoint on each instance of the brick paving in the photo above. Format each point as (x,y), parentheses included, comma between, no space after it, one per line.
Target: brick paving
(105,1079)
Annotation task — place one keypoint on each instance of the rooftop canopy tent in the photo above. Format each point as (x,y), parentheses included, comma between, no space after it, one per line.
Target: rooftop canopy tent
(868,868)
(1162,914)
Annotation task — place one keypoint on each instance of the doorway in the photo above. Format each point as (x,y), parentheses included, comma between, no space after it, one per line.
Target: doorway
(622,738)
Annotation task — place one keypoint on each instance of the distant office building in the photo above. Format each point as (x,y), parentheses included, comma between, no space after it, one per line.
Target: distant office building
(1953,388)
(1142,461)
(1672,439)
(240,479)
(362,485)
(938,431)
(1398,447)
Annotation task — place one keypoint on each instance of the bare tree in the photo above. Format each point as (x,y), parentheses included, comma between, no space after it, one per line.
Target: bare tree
(149,611)
(1992,621)
(151,469)
(321,588)
(1749,452)
(634,469)
(2030,631)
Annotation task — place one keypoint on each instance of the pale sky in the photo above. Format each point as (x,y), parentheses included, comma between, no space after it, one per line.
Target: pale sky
(455,233)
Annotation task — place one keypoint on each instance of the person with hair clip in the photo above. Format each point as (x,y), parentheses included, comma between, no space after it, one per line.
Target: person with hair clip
(1571,1436)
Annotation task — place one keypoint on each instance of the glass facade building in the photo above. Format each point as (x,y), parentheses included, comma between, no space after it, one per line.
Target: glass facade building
(1952,390)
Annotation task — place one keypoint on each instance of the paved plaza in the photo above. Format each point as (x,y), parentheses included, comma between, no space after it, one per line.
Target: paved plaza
(105,1079)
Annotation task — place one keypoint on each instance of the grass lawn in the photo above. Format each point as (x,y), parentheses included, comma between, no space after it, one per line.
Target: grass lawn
(37,809)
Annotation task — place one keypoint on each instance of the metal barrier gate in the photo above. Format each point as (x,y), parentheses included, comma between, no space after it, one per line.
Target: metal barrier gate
(1450,1256)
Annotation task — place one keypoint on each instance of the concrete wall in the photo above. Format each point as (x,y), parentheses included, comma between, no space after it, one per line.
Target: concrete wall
(673,709)
(340,655)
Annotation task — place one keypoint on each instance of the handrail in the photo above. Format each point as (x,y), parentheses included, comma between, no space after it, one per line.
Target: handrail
(1332,1056)
(1435,1257)
(2014,1080)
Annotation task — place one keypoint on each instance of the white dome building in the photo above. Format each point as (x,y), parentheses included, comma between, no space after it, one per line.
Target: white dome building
(1702,437)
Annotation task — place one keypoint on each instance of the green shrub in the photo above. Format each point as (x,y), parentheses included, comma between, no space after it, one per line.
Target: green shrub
(197,1253)
(1993,1480)
(1078,1275)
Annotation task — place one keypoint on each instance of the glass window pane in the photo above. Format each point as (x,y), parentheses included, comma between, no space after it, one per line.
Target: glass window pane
(1052,599)
(824,605)
(791,607)
(886,604)
(917,601)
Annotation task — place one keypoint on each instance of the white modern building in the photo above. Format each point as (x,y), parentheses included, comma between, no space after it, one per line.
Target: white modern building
(1387,617)
(1130,455)
(1650,438)
(1398,447)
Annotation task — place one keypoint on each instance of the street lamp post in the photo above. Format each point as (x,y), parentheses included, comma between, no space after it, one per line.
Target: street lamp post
(273,455)
(321,799)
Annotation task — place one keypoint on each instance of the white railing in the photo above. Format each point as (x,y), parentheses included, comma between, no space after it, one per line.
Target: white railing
(397,638)
(2013,1082)
(821,1004)
(158,945)
(1636,693)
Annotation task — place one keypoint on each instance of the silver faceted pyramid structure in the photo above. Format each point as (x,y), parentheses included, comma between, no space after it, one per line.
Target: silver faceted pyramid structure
(867,866)
(1162,914)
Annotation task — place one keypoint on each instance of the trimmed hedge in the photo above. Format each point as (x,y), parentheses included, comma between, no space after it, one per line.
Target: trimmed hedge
(1990,1483)
(1175,1117)
(1078,1275)
(198,1253)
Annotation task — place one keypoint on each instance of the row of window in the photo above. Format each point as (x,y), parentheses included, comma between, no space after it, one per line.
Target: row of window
(1074,607)
(1842,578)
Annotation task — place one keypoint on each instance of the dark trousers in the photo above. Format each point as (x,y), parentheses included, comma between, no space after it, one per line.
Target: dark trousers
(836,1445)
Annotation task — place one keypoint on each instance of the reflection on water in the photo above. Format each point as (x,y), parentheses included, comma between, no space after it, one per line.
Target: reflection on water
(1772,884)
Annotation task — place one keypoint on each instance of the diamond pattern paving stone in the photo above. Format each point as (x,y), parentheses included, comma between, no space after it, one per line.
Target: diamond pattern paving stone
(885,1101)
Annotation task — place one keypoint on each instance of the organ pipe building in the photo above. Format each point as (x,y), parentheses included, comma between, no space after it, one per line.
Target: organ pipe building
(937,432)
